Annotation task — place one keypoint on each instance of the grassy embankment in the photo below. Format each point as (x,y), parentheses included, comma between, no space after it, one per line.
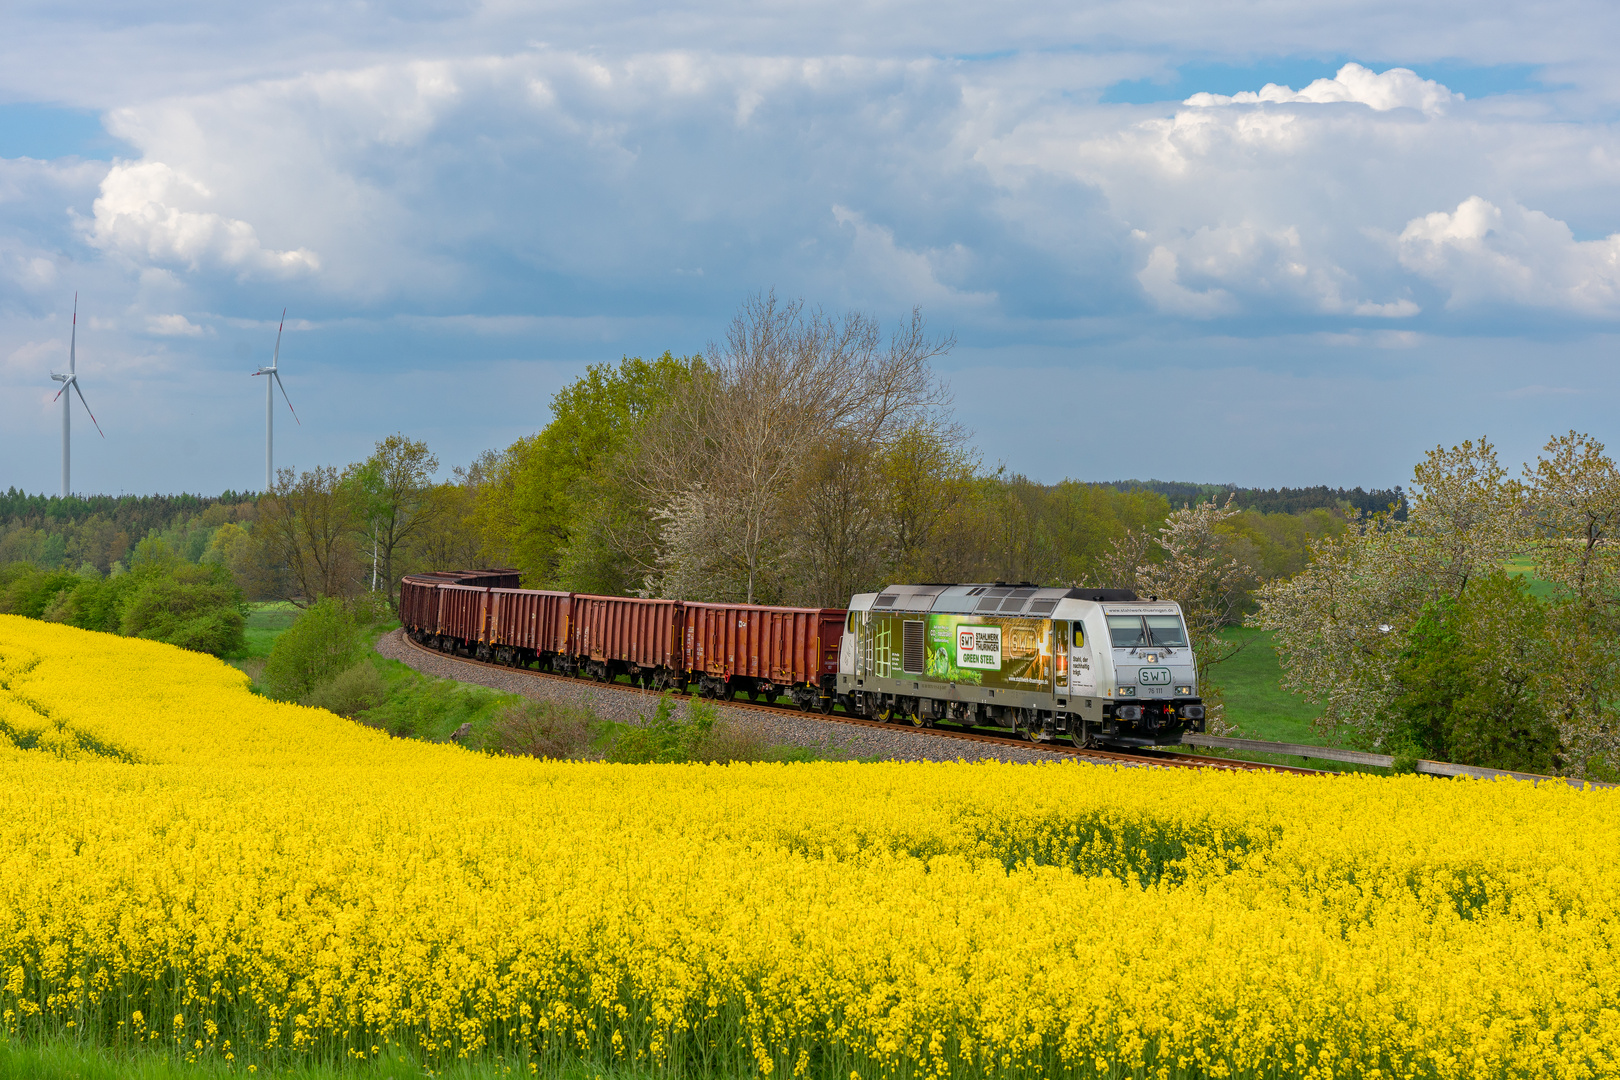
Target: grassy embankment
(1262,709)
(418,706)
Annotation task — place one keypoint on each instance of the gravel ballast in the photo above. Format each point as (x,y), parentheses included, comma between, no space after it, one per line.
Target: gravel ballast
(627,705)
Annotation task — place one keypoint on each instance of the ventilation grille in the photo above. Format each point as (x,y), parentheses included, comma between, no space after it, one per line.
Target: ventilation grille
(886,601)
(915,652)
(1015,602)
(1042,607)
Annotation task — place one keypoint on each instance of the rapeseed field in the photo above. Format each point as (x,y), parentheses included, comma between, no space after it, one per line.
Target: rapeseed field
(184,864)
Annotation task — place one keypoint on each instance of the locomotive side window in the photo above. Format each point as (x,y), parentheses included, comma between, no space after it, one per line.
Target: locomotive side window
(1079,635)
(1126,631)
(1166,630)
(850,626)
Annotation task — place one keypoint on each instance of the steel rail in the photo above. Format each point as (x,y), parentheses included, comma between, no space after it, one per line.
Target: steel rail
(1164,760)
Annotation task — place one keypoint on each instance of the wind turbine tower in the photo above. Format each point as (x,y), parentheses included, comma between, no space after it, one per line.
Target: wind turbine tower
(71,379)
(270,384)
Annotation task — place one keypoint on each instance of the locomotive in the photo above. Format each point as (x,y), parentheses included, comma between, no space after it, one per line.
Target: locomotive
(1093,666)
(1090,665)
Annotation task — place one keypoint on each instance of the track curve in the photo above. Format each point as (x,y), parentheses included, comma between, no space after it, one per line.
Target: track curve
(1162,760)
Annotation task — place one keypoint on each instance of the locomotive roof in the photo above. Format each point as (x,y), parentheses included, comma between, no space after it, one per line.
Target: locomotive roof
(998,598)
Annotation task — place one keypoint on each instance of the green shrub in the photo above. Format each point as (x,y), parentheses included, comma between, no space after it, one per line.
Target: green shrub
(1469,681)
(194,607)
(543,729)
(701,736)
(350,692)
(93,604)
(322,643)
(29,590)
(419,707)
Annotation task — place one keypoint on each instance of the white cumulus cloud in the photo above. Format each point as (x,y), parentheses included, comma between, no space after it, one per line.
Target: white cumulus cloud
(1397,88)
(173,326)
(149,211)
(1482,252)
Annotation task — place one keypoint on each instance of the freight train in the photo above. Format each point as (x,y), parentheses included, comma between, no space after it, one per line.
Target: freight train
(1093,666)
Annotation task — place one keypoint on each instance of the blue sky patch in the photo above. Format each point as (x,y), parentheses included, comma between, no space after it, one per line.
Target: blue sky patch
(47,132)
(1471,80)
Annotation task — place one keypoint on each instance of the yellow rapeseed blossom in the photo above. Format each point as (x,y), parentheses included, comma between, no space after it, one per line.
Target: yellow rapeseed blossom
(279,881)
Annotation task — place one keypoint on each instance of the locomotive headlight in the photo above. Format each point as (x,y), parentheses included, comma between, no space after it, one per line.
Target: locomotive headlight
(1127,691)
(1183,691)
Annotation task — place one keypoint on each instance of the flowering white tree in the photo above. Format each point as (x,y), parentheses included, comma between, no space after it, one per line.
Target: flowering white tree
(1188,560)
(1342,622)
(1344,625)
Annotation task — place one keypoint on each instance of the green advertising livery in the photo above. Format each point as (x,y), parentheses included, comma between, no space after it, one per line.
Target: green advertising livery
(1088,665)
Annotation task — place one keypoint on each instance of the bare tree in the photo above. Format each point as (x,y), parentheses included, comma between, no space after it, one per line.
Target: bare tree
(308,523)
(842,536)
(733,447)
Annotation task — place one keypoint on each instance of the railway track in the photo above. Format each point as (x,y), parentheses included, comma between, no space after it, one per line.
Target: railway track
(1165,759)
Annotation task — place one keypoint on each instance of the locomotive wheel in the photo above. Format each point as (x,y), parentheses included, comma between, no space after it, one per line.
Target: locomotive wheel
(826,706)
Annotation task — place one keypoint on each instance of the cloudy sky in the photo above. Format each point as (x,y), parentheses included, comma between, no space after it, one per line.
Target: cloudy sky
(1272,243)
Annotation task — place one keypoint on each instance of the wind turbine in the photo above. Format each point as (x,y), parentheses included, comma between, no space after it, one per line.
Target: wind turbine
(71,379)
(269,407)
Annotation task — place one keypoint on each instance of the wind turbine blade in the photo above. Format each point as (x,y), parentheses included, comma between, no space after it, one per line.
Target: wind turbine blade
(276,359)
(284,395)
(73,345)
(76,390)
(65,385)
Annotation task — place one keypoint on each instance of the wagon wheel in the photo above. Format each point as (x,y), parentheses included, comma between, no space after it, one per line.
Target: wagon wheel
(804,701)
(827,705)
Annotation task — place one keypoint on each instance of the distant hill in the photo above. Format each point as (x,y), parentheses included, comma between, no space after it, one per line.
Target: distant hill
(1274,500)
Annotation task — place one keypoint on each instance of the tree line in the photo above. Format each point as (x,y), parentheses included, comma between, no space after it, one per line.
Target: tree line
(1348,501)
(804,457)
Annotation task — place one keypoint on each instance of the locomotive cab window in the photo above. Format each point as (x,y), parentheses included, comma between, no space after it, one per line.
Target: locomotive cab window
(1166,630)
(1126,631)
(851,625)
(1079,635)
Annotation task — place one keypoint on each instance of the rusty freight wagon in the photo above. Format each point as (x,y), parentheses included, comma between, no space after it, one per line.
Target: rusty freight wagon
(611,636)
(451,607)
(764,651)
(528,625)
(464,616)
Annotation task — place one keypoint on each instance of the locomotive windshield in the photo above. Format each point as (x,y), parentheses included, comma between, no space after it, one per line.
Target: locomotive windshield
(1126,631)
(1166,630)
(1131,631)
